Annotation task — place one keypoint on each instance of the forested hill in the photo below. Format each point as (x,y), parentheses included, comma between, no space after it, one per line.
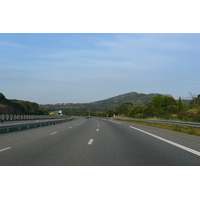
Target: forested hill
(133,97)
(111,103)
(19,107)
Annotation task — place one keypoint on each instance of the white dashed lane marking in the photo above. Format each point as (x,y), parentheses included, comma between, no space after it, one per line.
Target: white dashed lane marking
(90,141)
(54,133)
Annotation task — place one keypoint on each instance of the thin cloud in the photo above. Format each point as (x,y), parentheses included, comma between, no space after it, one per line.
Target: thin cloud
(4,43)
(110,63)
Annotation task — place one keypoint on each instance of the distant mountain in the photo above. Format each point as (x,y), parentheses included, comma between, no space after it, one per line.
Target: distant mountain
(133,97)
(111,103)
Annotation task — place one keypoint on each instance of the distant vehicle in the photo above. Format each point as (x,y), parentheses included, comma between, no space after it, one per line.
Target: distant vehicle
(87,117)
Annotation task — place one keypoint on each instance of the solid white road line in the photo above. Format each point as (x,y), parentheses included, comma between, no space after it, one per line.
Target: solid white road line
(5,149)
(90,141)
(170,142)
(54,133)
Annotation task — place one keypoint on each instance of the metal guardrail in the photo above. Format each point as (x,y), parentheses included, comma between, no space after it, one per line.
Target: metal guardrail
(29,117)
(19,127)
(177,123)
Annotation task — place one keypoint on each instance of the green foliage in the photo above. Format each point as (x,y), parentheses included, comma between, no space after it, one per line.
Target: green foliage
(124,108)
(192,131)
(169,101)
(25,107)
(180,105)
(159,113)
(111,103)
(163,107)
(137,112)
(158,102)
(160,106)
(149,110)
(172,109)
(110,112)
(99,114)
(195,102)
(177,128)
(186,115)
(197,118)
(2,97)
(41,111)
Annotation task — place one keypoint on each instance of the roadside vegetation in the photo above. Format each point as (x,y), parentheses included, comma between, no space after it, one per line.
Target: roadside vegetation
(183,129)
(158,107)
(161,107)
(8,106)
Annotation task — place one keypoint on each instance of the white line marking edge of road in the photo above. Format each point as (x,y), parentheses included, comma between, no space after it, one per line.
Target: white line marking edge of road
(169,142)
(5,149)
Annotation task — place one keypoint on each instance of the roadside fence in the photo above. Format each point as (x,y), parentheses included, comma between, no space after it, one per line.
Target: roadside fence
(23,122)
(177,123)
(6,117)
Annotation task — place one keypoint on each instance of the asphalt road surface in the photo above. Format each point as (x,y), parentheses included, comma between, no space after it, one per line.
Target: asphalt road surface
(99,142)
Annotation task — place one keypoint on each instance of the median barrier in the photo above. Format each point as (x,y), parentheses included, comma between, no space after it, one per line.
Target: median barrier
(20,127)
(6,117)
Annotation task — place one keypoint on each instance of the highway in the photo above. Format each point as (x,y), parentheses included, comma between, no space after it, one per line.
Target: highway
(99,142)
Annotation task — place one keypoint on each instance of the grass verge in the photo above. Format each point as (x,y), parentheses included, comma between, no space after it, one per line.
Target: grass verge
(183,129)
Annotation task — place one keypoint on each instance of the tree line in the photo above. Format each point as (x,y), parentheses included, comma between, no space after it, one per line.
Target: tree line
(21,107)
(161,107)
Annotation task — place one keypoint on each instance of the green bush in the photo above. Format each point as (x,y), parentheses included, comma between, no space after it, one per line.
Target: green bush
(197,118)
(176,128)
(192,131)
(140,116)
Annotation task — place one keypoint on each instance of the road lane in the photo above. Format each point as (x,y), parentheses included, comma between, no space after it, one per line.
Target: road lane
(96,142)
(188,140)
(168,141)
(120,146)
(36,147)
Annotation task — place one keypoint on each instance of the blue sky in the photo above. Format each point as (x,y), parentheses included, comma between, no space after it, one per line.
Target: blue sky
(78,68)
